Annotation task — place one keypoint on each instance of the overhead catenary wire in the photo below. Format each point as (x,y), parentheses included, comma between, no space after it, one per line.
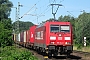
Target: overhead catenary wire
(30,9)
(43,8)
(47,9)
(70,13)
(40,14)
(54,1)
(61,1)
(44,11)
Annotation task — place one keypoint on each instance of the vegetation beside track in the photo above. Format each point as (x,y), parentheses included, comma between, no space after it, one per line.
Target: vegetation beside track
(84,49)
(16,53)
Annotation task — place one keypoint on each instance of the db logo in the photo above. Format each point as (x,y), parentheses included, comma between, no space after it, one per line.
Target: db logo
(31,35)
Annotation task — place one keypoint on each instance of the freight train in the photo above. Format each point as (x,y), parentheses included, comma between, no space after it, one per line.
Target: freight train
(52,38)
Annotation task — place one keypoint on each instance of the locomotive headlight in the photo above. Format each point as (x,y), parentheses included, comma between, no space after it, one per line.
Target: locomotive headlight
(52,38)
(65,42)
(67,38)
(59,34)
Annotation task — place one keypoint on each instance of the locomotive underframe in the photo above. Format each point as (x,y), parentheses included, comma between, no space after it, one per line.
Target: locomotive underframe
(59,50)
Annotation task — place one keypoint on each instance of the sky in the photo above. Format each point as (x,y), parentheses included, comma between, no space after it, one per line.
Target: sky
(36,11)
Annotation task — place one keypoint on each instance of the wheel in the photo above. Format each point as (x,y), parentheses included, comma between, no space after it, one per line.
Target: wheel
(68,54)
(56,53)
(50,54)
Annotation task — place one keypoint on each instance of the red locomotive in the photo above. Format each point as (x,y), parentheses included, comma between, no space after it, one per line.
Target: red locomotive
(54,37)
(51,37)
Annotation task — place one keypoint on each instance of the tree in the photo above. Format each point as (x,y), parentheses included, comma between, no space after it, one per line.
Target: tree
(23,25)
(5,23)
(82,27)
(5,8)
(1,33)
(6,34)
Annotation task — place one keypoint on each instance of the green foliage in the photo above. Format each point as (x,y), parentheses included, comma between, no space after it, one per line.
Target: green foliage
(13,53)
(6,33)
(5,8)
(1,32)
(88,42)
(79,46)
(5,23)
(82,28)
(22,25)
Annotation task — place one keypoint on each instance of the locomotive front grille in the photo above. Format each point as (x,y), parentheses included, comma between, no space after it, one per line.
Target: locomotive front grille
(51,47)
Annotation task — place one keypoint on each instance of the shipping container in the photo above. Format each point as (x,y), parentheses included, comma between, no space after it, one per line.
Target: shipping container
(17,39)
(24,36)
(14,39)
(27,38)
(21,38)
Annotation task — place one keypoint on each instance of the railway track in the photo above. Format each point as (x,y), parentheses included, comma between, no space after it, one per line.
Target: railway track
(83,55)
(76,55)
(80,52)
(72,57)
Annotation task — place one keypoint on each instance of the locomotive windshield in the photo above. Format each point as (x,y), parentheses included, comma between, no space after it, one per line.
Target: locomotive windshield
(65,29)
(60,28)
(54,28)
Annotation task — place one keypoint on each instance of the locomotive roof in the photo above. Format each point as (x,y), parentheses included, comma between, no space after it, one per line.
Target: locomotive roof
(40,25)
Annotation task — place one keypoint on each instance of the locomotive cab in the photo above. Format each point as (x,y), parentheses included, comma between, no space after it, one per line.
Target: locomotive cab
(59,38)
(54,38)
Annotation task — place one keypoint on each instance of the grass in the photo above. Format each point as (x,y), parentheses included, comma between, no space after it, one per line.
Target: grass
(84,49)
(14,53)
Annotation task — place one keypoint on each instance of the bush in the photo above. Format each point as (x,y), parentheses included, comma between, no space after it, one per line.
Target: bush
(13,53)
(6,33)
(79,46)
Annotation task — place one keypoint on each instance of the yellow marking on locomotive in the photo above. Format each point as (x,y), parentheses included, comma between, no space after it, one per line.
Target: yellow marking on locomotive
(45,56)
